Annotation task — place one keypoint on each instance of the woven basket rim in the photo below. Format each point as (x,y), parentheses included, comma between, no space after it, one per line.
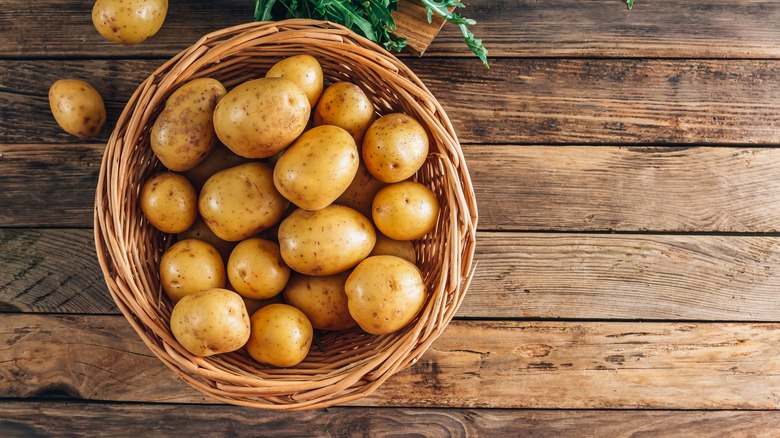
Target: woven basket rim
(353,364)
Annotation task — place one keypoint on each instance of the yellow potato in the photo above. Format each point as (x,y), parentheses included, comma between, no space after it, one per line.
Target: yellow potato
(321,299)
(304,70)
(399,248)
(256,270)
(191,266)
(345,105)
(360,193)
(199,230)
(317,168)
(281,335)
(210,322)
(129,22)
(77,107)
(385,293)
(259,118)
(169,202)
(326,241)
(220,158)
(183,134)
(395,147)
(405,211)
(240,202)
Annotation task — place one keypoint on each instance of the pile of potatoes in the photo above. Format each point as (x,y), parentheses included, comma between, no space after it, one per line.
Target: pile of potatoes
(294,211)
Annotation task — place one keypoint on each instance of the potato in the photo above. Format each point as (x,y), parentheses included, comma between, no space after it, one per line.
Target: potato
(169,202)
(360,193)
(240,202)
(210,322)
(191,266)
(405,211)
(345,105)
(326,241)
(256,270)
(399,248)
(281,335)
(129,22)
(199,230)
(77,107)
(385,293)
(253,305)
(305,71)
(259,118)
(395,147)
(321,299)
(220,158)
(183,134)
(317,168)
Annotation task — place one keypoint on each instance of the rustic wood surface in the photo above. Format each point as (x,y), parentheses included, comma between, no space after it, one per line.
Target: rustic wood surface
(628,250)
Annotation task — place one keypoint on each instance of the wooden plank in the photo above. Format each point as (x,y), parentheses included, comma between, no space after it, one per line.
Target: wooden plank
(699,189)
(520,364)
(519,275)
(536,101)
(52,418)
(661,277)
(605,28)
(531,188)
(51,271)
(568,28)
(49,185)
(411,23)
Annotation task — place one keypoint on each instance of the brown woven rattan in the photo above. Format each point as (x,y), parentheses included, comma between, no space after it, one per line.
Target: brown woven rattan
(351,364)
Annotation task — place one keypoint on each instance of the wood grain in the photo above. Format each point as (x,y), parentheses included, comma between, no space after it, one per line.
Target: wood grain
(530,188)
(49,185)
(605,28)
(520,364)
(51,271)
(59,418)
(411,23)
(699,189)
(532,101)
(518,275)
(567,28)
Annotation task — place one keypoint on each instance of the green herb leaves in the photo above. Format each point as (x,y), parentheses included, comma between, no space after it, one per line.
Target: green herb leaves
(371,18)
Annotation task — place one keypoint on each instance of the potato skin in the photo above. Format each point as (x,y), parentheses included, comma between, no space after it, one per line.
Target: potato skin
(240,202)
(281,335)
(183,134)
(395,147)
(345,105)
(210,322)
(399,248)
(360,193)
(190,266)
(77,107)
(317,168)
(326,241)
(305,71)
(259,118)
(406,210)
(169,202)
(256,270)
(321,299)
(129,22)
(385,293)
(199,230)
(220,158)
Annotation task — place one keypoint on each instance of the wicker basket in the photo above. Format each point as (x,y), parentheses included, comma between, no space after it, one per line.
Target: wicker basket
(349,365)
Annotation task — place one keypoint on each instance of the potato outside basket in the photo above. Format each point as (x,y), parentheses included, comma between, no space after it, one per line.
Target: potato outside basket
(351,364)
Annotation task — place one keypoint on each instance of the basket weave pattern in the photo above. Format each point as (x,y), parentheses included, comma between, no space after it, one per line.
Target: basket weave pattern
(346,365)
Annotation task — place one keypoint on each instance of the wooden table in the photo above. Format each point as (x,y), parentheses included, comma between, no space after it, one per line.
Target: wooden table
(628,183)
